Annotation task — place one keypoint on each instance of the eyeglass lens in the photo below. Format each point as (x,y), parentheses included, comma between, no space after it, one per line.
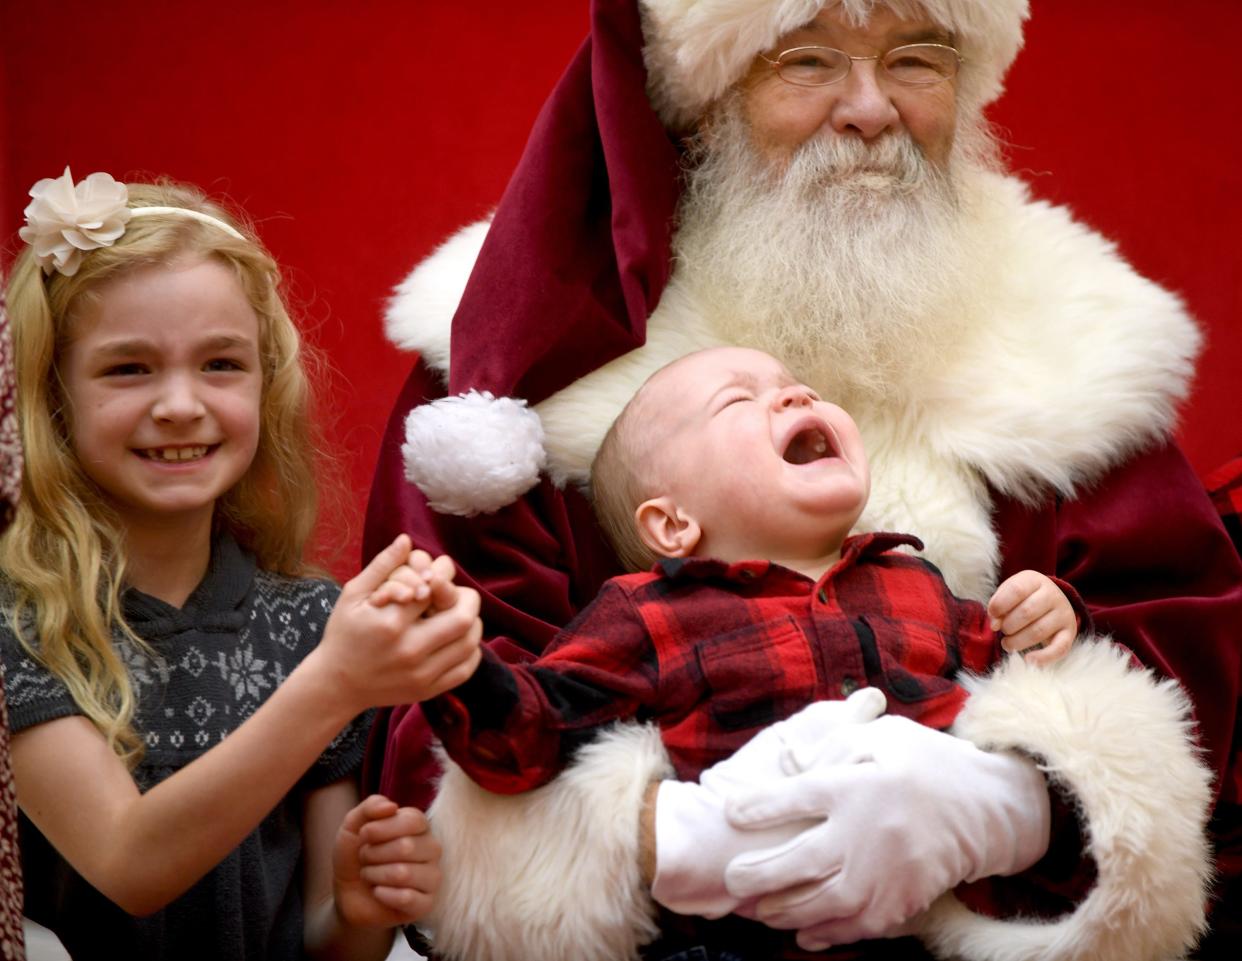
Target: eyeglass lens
(916,63)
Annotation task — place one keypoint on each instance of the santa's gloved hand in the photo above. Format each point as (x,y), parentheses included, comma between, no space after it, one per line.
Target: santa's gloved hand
(902,814)
(694,842)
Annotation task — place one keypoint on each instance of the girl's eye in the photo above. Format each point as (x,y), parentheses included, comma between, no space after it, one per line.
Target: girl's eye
(222,363)
(125,370)
(735,399)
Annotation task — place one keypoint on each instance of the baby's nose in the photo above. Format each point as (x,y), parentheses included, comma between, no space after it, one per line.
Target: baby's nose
(794,395)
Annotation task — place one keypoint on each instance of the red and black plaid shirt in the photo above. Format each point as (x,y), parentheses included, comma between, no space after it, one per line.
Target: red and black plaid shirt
(715,652)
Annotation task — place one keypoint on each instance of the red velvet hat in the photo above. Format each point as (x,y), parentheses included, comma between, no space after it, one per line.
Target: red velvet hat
(577,254)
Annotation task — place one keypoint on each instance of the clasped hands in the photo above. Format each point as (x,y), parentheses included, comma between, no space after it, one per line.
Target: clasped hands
(844,824)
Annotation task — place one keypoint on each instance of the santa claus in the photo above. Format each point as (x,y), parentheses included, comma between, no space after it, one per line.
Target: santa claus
(818,180)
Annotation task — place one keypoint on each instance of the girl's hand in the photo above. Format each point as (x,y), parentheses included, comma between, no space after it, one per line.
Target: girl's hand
(386,864)
(1035,616)
(377,656)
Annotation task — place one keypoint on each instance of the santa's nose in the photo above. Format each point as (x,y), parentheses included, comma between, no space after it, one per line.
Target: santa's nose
(863,105)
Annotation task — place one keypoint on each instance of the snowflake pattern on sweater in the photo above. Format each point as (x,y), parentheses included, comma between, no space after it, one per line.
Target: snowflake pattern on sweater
(209,666)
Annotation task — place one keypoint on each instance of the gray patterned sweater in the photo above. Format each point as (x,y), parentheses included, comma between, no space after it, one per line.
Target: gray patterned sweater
(216,660)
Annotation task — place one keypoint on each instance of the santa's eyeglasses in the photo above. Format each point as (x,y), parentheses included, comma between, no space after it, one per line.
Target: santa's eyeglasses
(915,64)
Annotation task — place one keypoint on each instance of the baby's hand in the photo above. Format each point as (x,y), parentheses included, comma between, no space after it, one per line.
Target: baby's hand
(407,584)
(419,582)
(410,582)
(1035,616)
(397,654)
(386,864)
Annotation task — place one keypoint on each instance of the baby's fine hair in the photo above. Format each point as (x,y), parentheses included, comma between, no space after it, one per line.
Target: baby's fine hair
(622,477)
(63,558)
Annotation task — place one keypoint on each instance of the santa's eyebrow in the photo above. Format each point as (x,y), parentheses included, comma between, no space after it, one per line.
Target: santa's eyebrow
(925,35)
(928,33)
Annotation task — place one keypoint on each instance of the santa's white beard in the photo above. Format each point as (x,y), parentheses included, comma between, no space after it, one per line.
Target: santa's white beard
(846,264)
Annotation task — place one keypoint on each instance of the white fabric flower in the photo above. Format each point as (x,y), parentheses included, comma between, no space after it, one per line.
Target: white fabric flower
(65,220)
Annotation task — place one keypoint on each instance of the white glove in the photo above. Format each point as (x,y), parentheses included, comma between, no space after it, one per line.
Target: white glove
(904,813)
(694,841)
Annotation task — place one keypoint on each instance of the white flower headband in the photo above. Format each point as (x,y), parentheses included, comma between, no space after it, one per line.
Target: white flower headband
(63,221)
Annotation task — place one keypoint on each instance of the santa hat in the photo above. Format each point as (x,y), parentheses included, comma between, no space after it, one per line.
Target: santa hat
(696,49)
(578,252)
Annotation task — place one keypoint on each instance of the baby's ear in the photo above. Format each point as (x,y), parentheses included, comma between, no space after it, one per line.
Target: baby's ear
(666,528)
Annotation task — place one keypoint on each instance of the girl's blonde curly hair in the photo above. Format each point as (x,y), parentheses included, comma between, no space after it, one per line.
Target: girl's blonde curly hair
(63,558)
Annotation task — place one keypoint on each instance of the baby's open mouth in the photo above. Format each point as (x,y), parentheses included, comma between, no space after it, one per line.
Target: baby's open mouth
(810,444)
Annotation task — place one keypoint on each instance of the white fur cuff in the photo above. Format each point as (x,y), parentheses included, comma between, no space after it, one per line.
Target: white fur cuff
(552,874)
(1121,741)
(473,454)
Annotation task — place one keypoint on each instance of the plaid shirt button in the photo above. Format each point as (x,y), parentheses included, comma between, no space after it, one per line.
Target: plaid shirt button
(848,686)
(822,595)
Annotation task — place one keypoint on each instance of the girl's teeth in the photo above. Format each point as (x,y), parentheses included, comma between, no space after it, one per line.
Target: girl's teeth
(177,453)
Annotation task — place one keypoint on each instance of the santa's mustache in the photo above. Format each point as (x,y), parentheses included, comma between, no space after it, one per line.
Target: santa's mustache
(892,162)
(845,258)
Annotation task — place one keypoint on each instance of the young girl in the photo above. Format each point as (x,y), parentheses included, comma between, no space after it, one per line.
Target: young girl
(184,709)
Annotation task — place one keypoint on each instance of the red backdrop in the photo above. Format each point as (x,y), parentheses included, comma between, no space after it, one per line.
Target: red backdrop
(358,135)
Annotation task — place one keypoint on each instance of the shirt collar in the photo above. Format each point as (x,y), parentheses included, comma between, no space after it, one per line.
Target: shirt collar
(216,601)
(744,572)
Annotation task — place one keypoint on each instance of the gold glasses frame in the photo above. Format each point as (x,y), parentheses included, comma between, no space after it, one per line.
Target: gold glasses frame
(779,63)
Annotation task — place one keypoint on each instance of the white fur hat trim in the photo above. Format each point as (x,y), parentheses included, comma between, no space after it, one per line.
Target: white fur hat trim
(474,453)
(696,49)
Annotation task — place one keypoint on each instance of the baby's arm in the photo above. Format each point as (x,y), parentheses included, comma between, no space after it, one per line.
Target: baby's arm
(368,870)
(512,726)
(1035,616)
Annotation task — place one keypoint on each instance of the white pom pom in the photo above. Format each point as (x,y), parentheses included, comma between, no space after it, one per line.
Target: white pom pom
(473,454)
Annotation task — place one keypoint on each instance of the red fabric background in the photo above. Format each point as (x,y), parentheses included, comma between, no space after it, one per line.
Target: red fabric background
(359,135)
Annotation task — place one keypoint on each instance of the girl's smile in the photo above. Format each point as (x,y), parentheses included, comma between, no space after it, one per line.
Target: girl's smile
(176,455)
(163,383)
